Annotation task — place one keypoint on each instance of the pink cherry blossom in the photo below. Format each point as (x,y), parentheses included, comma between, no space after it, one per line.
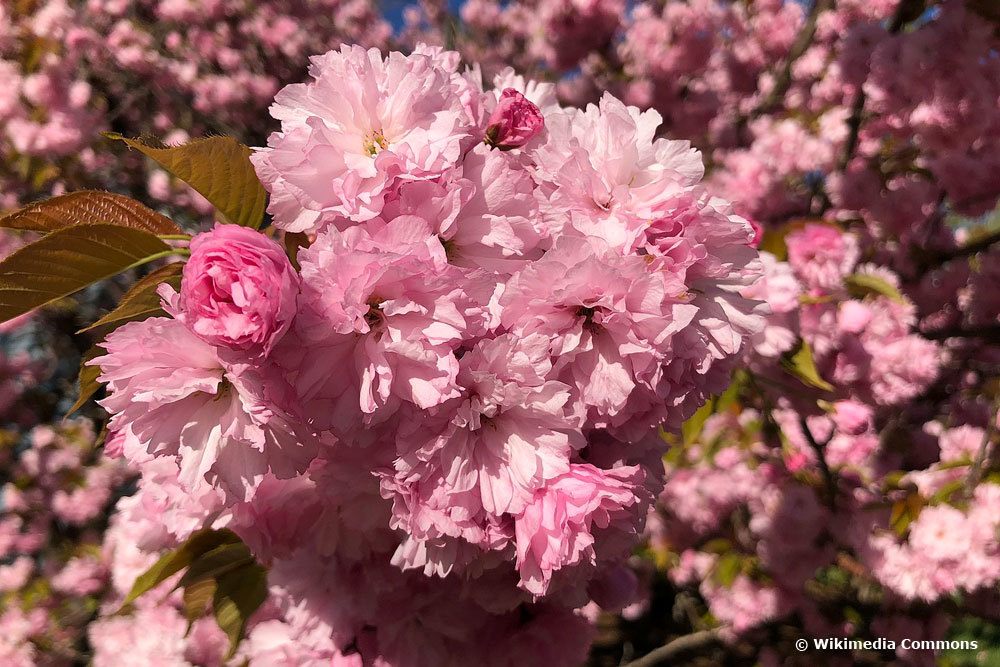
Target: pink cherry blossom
(239,289)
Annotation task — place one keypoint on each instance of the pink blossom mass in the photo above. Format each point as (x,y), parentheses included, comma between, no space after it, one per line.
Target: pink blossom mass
(513,333)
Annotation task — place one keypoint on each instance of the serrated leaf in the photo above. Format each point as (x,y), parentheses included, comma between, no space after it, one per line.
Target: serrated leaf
(87,381)
(179,558)
(238,595)
(219,169)
(69,259)
(142,301)
(88,207)
(800,362)
(860,285)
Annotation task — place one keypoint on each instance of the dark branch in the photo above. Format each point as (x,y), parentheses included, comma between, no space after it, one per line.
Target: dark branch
(829,481)
(682,644)
(967,250)
(802,42)
(989,333)
(904,12)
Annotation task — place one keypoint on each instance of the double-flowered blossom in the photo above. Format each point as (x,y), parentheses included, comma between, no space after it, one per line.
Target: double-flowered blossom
(225,422)
(497,302)
(364,124)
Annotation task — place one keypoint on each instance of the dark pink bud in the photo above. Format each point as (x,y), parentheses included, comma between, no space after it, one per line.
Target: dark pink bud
(758,233)
(514,122)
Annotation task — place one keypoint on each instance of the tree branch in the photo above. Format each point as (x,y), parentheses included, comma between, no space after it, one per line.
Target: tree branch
(802,42)
(966,250)
(829,481)
(682,644)
(989,333)
(904,13)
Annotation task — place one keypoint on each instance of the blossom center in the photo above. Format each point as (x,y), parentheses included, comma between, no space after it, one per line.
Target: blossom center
(374,317)
(375,141)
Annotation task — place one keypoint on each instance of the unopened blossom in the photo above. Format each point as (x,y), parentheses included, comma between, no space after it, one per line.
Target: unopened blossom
(238,289)
(514,121)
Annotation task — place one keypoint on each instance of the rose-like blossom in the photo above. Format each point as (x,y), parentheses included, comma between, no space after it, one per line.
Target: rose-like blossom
(514,122)
(492,448)
(852,417)
(557,529)
(238,289)
(387,308)
(822,255)
(178,398)
(365,124)
(603,174)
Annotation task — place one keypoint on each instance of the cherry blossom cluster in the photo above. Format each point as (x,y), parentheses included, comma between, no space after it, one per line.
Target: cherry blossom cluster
(426,396)
(454,389)
(169,69)
(798,482)
(860,137)
(56,493)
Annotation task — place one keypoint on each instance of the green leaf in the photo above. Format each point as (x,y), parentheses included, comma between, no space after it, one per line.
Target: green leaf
(197,597)
(142,301)
(238,595)
(730,398)
(904,512)
(217,562)
(219,169)
(87,381)
(176,560)
(718,545)
(691,428)
(944,494)
(726,569)
(69,259)
(860,285)
(88,207)
(800,363)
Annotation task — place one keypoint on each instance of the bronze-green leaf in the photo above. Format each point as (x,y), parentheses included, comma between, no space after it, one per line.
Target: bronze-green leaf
(196,599)
(219,169)
(216,562)
(860,285)
(69,259)
(800,363)
(88,207)
(176,560)
(238,594)
(142,301)
(87,382)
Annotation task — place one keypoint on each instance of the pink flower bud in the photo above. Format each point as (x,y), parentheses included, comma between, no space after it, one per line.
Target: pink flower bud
(238,290)
(514,121)
(758,232)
